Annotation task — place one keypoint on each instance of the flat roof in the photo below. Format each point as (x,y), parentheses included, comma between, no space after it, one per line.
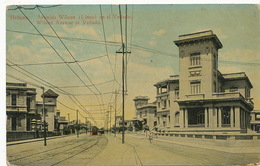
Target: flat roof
(186,38)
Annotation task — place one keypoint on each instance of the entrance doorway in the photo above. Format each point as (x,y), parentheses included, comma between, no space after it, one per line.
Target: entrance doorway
(196,117)
(14,123)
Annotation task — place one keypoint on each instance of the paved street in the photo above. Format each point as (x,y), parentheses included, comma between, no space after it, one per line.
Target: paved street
(61,151)
(108,150)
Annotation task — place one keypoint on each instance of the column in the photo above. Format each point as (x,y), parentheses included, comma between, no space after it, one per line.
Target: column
(206,117)
(219,117)
(231,117)
(212,117)
(237,117)
(186,117)
(181,119)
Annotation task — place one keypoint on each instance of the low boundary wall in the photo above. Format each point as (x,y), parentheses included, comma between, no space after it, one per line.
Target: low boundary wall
(18,136)
(225,140)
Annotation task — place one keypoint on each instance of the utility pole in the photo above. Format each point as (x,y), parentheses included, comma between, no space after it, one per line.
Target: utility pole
(110,118)
(77,124)
(115,109)
(107,121)
(123,90)
(86,125)
(69,118)
(44,119)
(69,122)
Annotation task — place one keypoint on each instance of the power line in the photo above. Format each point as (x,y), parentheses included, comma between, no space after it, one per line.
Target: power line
(68,52)
(74,60)
(112,43)
(45,82)
(32,8)
(40,87)
(51,63)
(104,34)
(57,52)
(52,86)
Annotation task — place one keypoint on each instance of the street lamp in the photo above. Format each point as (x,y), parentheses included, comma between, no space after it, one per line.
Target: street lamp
(44,120)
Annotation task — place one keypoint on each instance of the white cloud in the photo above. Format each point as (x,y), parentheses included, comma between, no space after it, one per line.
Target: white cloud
(18,36)
(79,30)
(152,43)
(159,33)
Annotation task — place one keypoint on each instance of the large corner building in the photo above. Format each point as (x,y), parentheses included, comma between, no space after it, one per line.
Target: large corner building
(201,98)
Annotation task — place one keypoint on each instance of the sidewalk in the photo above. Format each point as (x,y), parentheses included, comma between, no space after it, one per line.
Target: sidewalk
(187,142)
(34,140)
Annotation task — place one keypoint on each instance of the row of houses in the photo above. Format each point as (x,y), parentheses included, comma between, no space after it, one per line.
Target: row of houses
(200,98)
(24,113)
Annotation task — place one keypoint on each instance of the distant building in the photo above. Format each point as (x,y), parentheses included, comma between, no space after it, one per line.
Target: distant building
(50,100)
(60,122)
(167,93)
(20,107)
(119,121)
(145,111)
(255,120)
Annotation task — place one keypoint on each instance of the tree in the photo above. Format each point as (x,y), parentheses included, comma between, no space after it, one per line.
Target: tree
(138,125)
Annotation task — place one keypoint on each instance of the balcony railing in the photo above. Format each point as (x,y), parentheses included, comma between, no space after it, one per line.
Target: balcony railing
(195,96)
(227,95)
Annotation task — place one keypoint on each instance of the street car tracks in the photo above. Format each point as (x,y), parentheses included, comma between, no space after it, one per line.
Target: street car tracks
(61,154)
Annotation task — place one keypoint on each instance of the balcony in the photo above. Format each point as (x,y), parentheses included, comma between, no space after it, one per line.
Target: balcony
(195,96)
(227,95)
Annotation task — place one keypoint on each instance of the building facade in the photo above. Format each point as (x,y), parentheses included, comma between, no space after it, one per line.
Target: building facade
(20,107)
(201,98)
(145,112)
(50,101)
(167,112)
(255,120)
(209,100)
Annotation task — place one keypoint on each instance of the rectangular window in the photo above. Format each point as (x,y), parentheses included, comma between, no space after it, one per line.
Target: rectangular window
(164,103)
(159,104)
(195,59)
(14,99)
(169,103)
(28,103)
(225,113)
(45,112)
(195,87)
(176,93)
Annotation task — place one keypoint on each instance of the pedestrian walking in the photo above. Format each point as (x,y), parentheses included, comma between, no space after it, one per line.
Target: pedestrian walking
(150,137)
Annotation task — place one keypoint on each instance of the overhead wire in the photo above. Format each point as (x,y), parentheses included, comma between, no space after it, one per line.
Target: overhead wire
(74,60)
(30,83)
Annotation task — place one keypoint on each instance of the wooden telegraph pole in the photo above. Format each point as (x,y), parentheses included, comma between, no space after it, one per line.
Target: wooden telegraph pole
(123,90)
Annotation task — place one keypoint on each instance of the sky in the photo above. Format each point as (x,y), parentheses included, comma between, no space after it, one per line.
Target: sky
(151,30)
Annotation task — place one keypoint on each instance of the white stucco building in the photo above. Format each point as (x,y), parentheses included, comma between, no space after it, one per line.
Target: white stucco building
(201,98)
(50,101)
(145,112)
(20,107)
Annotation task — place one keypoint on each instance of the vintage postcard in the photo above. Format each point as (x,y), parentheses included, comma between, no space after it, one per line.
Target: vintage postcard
(129,84)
